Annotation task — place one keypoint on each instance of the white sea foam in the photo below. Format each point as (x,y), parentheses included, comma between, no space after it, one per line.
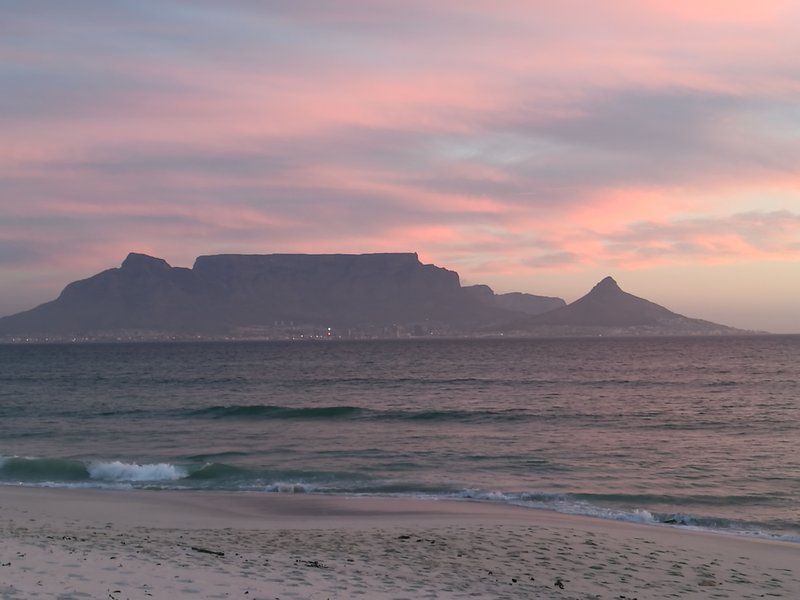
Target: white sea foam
(120,471)
(561,503)
(74,485)
(564,504)
(291,488)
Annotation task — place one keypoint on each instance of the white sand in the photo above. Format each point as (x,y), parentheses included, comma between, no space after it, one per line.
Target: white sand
(116,545)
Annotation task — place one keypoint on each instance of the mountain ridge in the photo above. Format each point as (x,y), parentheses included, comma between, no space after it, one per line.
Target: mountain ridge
(367,295)
(607,306)
(223,293)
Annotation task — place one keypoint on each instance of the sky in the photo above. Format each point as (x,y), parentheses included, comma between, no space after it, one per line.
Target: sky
(532,146)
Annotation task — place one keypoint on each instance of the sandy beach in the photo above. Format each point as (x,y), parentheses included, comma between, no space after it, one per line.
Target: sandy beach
(66,543)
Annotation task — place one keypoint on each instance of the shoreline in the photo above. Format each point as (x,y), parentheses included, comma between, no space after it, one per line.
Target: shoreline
(320,546)
(790,538)
(386,501)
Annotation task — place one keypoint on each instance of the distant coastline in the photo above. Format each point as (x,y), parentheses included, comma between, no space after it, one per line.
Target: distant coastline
(159,338)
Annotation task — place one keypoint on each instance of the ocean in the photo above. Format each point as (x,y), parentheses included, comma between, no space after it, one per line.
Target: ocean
(685,432)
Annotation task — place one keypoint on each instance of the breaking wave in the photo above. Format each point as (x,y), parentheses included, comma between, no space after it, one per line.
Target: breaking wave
(41,470)
(120,471)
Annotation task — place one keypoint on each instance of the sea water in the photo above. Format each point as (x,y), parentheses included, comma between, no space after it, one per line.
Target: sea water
(690,432)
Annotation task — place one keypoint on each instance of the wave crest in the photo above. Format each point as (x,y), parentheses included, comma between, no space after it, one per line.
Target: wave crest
(276,412)
(120,471)
(267,411)
(211,471)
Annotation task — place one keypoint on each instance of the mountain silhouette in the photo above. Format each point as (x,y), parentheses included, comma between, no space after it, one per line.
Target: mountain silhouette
(529,304)
(226,293)
(607,306)
(372,294)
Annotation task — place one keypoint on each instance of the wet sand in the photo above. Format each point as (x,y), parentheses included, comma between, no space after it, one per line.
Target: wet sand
(67,543)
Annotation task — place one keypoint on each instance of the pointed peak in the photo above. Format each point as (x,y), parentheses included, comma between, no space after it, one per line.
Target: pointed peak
(606,284)
(139,262)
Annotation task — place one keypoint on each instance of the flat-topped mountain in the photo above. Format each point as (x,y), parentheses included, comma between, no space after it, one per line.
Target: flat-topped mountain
(227,293)
(610,310)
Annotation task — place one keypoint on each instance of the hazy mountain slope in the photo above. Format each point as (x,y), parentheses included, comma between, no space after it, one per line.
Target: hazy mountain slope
(528,304)
(608,307)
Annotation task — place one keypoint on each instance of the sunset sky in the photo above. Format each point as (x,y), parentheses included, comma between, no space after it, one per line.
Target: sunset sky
(532,146)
